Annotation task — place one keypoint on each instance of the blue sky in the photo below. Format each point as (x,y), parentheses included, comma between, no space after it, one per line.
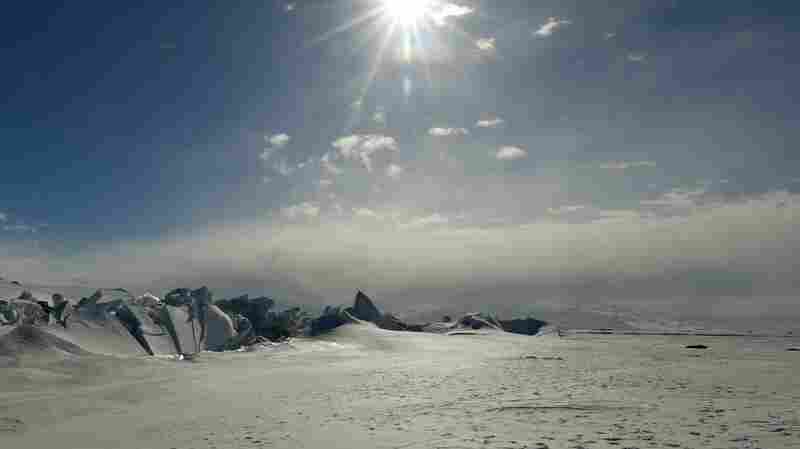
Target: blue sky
(293,143)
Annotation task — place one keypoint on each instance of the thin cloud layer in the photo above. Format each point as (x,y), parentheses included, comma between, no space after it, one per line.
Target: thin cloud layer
(377,245)
(624,165)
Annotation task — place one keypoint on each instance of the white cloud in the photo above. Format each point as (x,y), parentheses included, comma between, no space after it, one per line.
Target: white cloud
(361,148)
(442,11)
(324,183)
(490,123)
(290,7)
(299,211)
(278,140)
(3,216)
(266,180)
(637,57)
(379,117)
(608,36)
(444,132)
(549,27)
(394,171)
(623,165)
(486,43)
(510,153)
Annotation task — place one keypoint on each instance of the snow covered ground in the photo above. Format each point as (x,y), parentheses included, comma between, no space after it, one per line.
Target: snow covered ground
(362,387)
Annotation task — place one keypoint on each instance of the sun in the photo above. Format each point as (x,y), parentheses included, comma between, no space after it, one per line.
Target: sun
(407,12)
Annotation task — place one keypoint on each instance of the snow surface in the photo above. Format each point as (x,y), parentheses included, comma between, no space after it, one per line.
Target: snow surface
(362,387)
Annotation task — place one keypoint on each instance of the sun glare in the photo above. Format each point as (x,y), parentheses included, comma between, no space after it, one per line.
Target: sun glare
(407,12)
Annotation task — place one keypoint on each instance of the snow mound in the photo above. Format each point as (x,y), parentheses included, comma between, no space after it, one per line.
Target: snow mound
(25,340)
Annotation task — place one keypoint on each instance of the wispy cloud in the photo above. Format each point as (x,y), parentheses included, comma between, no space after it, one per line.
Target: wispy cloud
(22,228)
(362,148)
(290,7)
(379,117)
(637,57)
(266,154)
(565,209)
(328,167)
(510,153)
(283,167)
(490,123)
(364,212)
(443,10)
(624,165)
(486,43)
(301,211)
(551,26)
(680,197)
(445,132)
(588,214)
(3,217)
